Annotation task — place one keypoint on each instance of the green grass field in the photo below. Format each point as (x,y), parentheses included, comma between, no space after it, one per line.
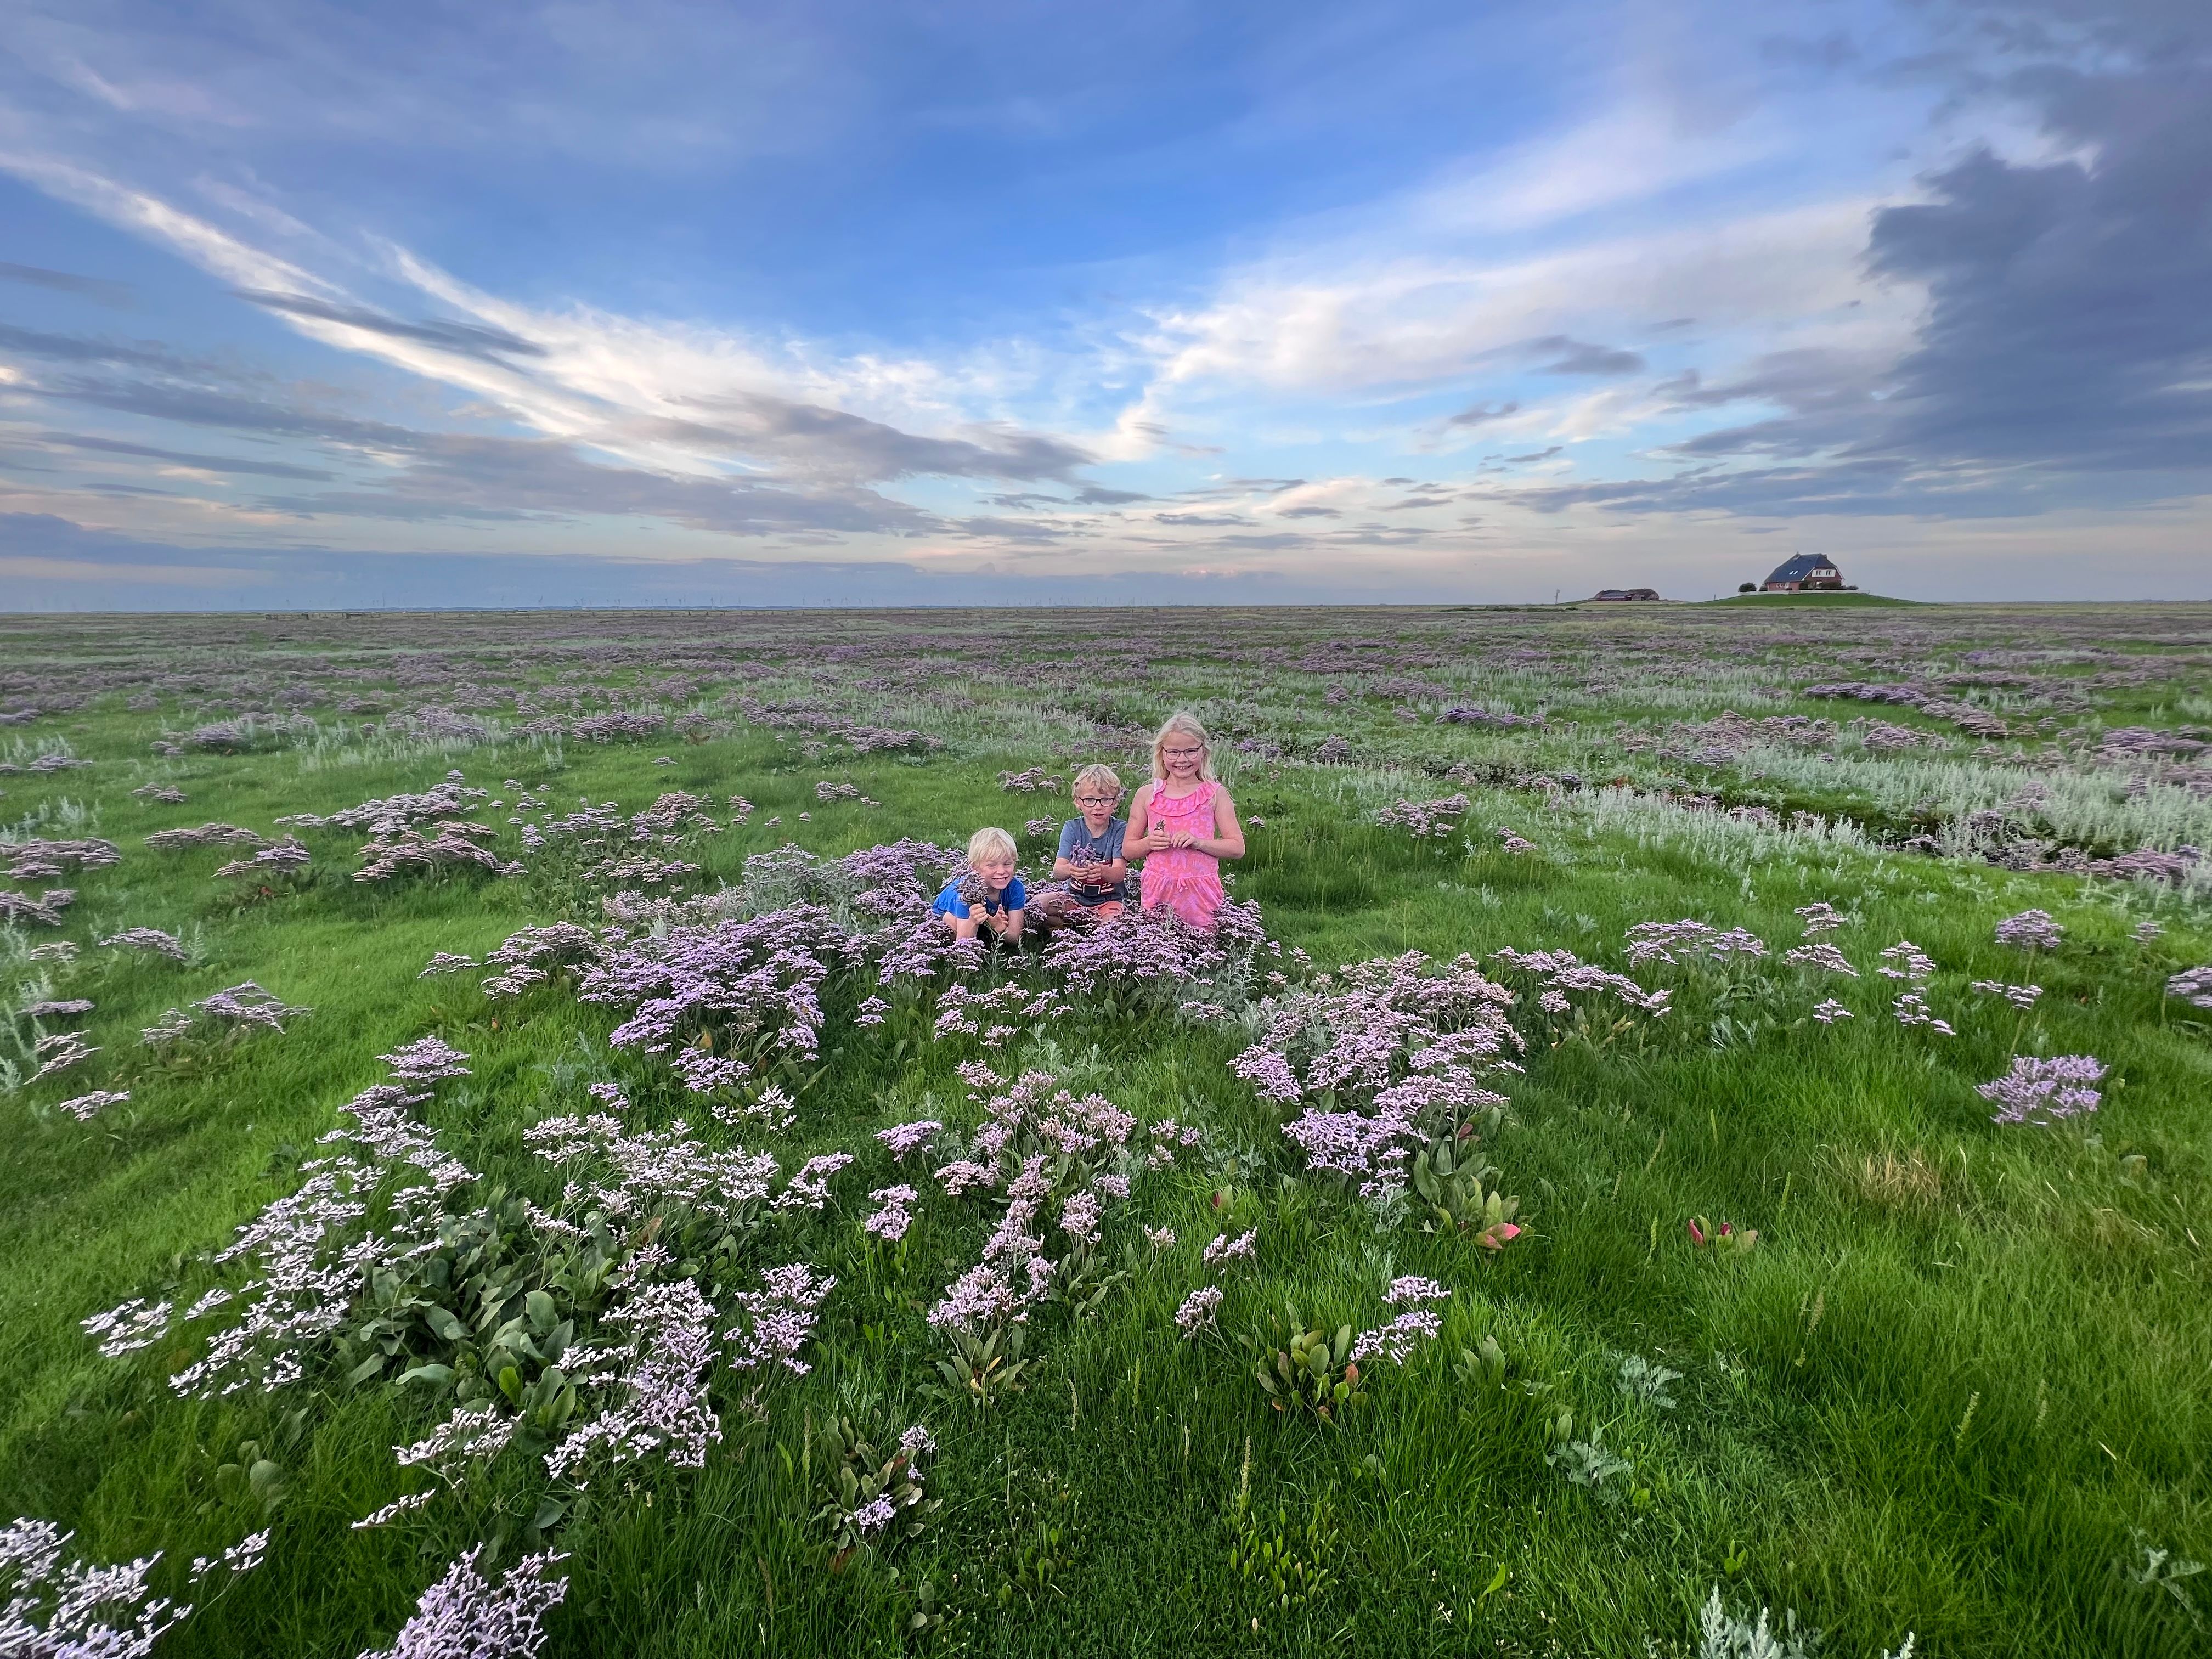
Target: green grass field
(1961,1387)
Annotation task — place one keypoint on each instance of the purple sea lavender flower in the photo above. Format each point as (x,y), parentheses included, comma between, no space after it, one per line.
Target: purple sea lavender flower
(874,1516)
(469,1436)
(2031,930)
(2193,986)
(1821,918)
(662,1370)
(1412,1288)
(895,1213)
(84,1108)
(59,1052)
(465,1613)
(241,1558)
(2147,930)
(1222,1249)
(904,1137)
(146,938)
(2022,997)
(1906,961)
(981,1296)
(1819,955)
(1198,1309)
(918,1440)
(1912,1009)
(398,1507)
(1396,1340)
(445,961)
(1830,1011)
(2043,1091)
(425,1060)
(780,1318)
(809,1187)
(65,1608)
(1160,1238)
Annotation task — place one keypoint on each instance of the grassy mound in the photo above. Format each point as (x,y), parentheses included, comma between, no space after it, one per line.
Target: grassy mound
(1832,599)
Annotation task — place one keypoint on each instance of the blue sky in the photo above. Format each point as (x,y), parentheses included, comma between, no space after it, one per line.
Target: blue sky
(320,304)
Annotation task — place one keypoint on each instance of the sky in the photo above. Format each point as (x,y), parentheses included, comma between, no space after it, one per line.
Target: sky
(318,305)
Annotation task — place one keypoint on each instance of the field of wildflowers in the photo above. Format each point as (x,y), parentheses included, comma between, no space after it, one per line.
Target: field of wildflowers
(1695,1128)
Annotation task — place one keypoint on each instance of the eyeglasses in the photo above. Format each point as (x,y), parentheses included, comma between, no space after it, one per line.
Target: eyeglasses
(1095,800)
(1182,754)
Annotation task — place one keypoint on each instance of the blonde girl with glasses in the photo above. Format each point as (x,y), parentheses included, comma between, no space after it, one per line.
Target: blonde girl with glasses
(1182,824)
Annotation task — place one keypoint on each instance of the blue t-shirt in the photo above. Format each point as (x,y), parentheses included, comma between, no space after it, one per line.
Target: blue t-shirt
(1075,838)
(1012,897)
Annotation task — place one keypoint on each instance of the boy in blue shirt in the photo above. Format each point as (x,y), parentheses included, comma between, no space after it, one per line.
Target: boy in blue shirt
(1090,860)
(995,899)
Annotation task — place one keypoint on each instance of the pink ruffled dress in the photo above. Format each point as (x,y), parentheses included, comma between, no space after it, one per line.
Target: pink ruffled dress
(1184,879)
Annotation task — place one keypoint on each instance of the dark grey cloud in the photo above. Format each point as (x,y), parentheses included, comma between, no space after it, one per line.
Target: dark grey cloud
(829,444)
(447,476)
(1483,414)
(225,464)
(1533,455)
(68,282)
(1200,518)
(465,339)
(1572,356)
(1308,512)
(1098,495)
(2065,354)
(204,405)
(80,349)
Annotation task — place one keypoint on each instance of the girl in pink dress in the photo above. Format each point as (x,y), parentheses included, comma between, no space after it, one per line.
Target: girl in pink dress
(1182,824)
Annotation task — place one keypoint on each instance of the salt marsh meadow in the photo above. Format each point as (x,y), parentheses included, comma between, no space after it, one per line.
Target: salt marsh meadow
(1692,1114)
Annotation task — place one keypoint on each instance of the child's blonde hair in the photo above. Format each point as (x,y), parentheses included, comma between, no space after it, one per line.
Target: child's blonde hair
(1184,721)
(993,847)
(1094,776)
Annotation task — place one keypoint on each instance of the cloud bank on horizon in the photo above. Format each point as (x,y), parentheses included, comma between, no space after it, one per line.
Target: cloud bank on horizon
(302,304)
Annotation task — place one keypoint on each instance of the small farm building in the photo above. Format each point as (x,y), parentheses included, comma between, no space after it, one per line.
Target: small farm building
(1626,593)
(1806,573)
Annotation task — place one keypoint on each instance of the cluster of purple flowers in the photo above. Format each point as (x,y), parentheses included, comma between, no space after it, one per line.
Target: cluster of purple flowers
(1674,942)
(40,910)
(1819,954)
(777,1319)
(894,1212)
(286,857)
(1397,1052)
(1397,1340)
(448,845)
(61,1606)
(660,1376)
(466,1614)
(1198,1309)
(1562,972)
(146,938)
(2022,997)
(205,834)
(2042,1090)
(1912,1009)
(1157,954)
(44,860)
(2031,930)
(2193,986)
(1437,818)
(1038,1143)
(1906,961)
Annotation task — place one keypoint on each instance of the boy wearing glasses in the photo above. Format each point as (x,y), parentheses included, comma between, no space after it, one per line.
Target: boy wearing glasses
(1090,858)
